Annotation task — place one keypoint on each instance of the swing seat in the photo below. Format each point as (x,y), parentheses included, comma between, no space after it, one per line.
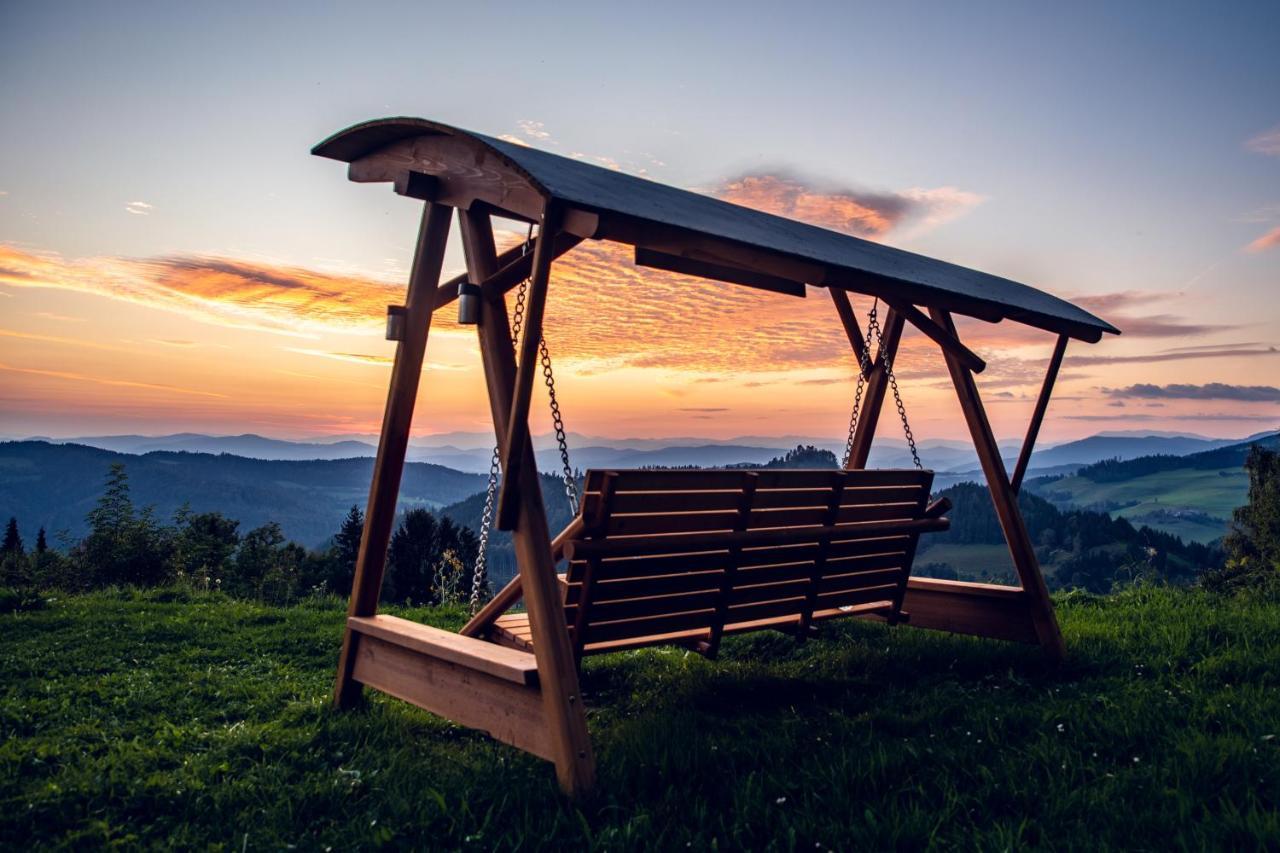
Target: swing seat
(688,556)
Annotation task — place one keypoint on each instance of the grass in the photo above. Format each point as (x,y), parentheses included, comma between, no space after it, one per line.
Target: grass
(163,719)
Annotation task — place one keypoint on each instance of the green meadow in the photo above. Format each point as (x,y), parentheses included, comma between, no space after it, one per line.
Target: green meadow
(167,719)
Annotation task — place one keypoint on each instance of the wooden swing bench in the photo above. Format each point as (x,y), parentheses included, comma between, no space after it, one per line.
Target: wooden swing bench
(678,557)
(656,557)
(688,556)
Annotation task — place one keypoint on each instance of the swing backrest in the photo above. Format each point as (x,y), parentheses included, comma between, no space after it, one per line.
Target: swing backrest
(672,555)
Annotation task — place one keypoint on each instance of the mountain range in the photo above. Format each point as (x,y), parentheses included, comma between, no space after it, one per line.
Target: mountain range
(471,451)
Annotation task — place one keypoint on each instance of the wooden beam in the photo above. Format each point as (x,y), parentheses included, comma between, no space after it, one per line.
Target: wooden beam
(1021,548)
(517,432)
(513,267)
(984,610)
(509,712)
(950,343)
(631,546)
(394,440)
(719,272)
(1037,416)
(510,594)
(570,744)
(877,385)
(491,659)
(849,320)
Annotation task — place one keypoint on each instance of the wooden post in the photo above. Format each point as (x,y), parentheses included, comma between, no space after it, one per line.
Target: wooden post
(1042,405)
(517,430)
(877,385)
(849,320)
(557,675)
(1003,497)
(380,513)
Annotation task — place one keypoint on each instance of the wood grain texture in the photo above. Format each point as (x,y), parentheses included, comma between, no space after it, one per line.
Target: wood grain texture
(543,595)
(393,444)
(450,647)
(508,712)
(1021,549)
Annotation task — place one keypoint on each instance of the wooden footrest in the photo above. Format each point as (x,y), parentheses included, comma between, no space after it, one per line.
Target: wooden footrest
(502,662)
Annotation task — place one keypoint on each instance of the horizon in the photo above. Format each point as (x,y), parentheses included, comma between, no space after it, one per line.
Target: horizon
(172,258)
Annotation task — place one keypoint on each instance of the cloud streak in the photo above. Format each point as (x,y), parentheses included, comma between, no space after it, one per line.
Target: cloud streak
(1270,240)
(1267,142)
(1209,391)
(861,213)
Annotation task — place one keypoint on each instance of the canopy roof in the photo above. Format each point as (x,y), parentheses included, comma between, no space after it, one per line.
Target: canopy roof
(632,209)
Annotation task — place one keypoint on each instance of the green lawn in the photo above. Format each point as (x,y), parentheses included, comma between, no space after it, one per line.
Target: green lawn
(162,720)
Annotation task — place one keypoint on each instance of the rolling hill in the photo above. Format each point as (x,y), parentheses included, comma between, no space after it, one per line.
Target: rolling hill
(1188,496)
(55,485)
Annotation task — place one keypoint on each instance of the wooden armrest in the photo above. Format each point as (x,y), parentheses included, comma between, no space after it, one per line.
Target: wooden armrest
(937,508)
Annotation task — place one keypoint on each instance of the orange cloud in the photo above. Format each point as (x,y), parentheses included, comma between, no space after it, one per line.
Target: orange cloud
(1267,241)
(240,294)
(860,213)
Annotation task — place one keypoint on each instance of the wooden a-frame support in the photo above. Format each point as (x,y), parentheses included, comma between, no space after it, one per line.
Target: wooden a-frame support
(1022,613)
(545,717)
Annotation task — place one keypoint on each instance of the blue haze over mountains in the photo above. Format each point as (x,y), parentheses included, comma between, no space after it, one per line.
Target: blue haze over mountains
(308,486)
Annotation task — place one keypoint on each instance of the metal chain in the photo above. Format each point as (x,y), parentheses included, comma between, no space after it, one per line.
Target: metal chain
(570,487)
(873,323)
(480,574)
(864,371)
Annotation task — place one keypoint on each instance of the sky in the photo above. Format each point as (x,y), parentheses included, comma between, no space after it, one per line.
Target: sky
(173,259)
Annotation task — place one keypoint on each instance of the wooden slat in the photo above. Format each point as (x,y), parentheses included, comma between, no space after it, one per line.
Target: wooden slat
(750,538)
(634,567)
(731,479)
(855,495)
(634,608)
(645,586)
(764,610)
(784,589)
(468,652)
(510,713)
(606,631)
(675,501)
(862,595)
(872,576)
(679,522)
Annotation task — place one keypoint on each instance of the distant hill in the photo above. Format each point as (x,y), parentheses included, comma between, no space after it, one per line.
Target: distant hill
(55,485)
(954,460)
(1075,547)
(1190,496)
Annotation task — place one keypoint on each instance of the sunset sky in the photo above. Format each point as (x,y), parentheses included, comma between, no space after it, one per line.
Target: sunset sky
(173,259)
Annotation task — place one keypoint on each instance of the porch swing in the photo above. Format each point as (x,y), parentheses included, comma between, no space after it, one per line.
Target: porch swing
(653,556)
(687,556)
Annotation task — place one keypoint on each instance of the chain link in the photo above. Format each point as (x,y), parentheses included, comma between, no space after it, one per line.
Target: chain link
(480,574)
(480,578)
(570,486)
(864,372)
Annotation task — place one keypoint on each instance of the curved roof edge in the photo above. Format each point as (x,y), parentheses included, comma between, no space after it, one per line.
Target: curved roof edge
(611,192)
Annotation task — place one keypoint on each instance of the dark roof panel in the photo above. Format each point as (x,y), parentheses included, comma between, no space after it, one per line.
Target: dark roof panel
(608,191)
